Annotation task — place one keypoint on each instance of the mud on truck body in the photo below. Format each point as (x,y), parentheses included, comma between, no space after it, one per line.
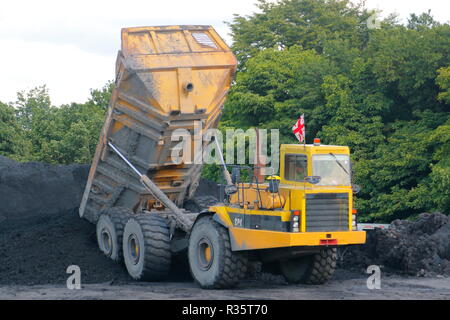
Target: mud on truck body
(170,78)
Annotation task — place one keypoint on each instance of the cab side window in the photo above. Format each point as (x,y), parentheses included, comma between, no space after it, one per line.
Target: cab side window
(295,167)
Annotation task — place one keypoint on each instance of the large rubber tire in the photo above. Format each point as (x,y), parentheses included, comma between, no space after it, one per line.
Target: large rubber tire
(146,247)
(110,227)
(314,269)
(212,263)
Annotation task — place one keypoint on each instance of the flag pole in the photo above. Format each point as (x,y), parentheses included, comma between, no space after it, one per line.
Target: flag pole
(304,150)
(304,132)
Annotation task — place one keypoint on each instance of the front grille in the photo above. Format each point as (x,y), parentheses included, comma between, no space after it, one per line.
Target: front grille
(327,212)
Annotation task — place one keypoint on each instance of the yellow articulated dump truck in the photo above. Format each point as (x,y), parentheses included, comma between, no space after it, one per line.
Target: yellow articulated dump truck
(170,78)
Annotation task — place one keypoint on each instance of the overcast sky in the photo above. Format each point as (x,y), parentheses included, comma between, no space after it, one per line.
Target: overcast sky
(71,46)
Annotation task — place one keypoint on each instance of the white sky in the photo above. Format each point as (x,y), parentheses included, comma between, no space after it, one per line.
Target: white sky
(71,45)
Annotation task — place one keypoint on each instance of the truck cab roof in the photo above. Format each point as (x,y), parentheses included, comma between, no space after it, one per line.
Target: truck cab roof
(313,149)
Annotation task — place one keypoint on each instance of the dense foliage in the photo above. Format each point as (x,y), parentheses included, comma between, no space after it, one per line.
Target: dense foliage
(31,129)
(381,88)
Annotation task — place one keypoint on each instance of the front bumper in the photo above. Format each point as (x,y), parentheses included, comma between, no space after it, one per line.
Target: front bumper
(249,239)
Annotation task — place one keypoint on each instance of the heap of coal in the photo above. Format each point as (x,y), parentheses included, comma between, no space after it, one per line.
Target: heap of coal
(419,248)
(31,190)
(41,233)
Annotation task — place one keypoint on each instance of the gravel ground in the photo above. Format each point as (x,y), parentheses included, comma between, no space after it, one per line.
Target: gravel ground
(345,285)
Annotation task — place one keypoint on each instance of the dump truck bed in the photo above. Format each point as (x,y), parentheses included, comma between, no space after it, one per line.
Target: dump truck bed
(167,78)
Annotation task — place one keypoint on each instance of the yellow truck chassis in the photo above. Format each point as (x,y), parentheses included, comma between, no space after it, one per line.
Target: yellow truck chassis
(252,237)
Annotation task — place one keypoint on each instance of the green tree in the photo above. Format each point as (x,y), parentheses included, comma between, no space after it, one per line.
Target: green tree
(64,134)
(305,23)
(100,97)
(404,172)
(404,64)
(30,103)
(72,134)
(422,21)
(443,81)
(276,87)
(12,142)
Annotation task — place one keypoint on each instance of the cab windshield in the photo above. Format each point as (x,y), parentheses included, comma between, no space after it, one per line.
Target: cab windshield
(333,169)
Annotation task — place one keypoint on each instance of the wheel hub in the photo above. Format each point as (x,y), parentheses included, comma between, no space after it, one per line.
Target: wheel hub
(134,248)
(106,241)
(205,252)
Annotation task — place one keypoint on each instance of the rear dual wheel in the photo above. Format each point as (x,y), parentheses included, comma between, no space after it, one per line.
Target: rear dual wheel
(109,231)
(141,241)
(146,247)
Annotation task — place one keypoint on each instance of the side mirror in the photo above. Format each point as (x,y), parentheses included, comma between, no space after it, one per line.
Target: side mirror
(312,179)
(235,175)
(356,188)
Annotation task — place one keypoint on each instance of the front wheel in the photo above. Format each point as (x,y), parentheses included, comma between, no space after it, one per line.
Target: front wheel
(212,263)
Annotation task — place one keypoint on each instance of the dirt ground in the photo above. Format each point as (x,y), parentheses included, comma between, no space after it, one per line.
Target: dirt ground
(345,285)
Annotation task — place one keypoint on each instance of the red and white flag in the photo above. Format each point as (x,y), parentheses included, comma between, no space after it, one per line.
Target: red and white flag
(299,128)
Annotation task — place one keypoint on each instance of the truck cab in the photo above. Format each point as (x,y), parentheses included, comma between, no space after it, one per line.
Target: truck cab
(316,179)
(312,206)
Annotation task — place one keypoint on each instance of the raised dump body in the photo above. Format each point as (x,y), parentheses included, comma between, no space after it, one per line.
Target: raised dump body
(167,78)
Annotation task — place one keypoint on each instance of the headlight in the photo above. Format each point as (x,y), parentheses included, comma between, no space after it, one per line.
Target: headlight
(354,227)
(295,221)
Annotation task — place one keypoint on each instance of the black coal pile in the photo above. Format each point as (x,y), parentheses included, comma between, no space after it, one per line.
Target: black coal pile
(207,188)
(40,252)
(206,194)
(41,233)
(31,190)
(419,248)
